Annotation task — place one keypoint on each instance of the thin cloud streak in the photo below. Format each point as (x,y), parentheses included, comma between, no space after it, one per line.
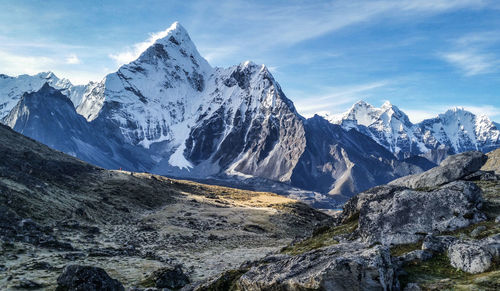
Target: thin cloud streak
(336,97)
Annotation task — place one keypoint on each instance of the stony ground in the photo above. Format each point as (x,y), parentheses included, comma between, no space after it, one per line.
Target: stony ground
(56,210)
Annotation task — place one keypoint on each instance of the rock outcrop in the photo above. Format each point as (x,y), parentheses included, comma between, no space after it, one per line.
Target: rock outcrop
(451,169)
(171,278)
(493,163)
(347,266)
(75,277)
(409,215)
(475,256)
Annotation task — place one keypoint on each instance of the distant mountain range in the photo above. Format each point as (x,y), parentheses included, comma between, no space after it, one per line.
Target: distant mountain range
(454,131)
(169,112)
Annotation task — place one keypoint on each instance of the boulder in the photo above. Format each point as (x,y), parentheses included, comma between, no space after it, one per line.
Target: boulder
(416,255)
(408,215)
(352,207)
(493,163)
(76,277)
(346,266)
(475,256)
(437,244)
(172,278)
(469,257)
(451,169)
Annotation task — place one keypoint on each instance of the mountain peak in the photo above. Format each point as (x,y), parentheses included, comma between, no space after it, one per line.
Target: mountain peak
(387,104)
(175,34)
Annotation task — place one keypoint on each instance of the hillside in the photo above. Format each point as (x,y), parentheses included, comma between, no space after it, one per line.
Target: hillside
(56,210)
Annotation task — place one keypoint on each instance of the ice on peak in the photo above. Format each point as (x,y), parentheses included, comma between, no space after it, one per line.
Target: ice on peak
(175,34)
(387,104)
(361,103)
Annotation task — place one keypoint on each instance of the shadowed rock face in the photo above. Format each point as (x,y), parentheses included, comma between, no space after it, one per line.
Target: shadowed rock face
(340,267)
(346,162)
(76,277)
(407,216)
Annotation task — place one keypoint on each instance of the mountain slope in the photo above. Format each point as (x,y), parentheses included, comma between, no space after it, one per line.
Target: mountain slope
(49,117)
(346,162)
(13,88)
(65,211)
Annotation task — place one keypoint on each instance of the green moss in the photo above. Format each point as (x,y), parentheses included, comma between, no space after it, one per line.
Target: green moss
(149,282)
(438,274)
(321,238)
(492,228)
(399,250)
(437,268)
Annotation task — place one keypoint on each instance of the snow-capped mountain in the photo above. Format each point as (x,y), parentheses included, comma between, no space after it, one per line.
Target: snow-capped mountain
(12,89)
(455,131)
(206,119)
(171,113)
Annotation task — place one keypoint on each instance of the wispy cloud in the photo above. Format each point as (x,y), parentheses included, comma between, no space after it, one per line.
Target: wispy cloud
(267,27)
(19,64)
(335,99)
(417,115)
(472,53)
(73,60)
(133,52)
(472,63)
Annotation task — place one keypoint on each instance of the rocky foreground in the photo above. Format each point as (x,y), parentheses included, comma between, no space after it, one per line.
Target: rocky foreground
(69,225)
(431,231)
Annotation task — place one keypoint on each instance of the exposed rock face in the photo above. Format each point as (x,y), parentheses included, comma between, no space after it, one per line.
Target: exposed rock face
(469,257)
(493,163)
(451,169)
(345,162)
(340,267)
(409,215)
(475,256)
(75,277)
(437,244)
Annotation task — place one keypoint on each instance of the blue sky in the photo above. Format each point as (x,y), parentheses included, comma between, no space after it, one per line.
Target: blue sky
(424,56)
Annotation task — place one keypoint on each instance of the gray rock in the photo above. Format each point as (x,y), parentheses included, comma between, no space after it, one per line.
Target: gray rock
(437,244)
(406,216)
(412,287)
(28,284)
(469,257)
(76,277)
(482,176)
(451,169)
(497,220)
(340,267)
(477,231)
(417,255)
(172,278)
(492,245)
